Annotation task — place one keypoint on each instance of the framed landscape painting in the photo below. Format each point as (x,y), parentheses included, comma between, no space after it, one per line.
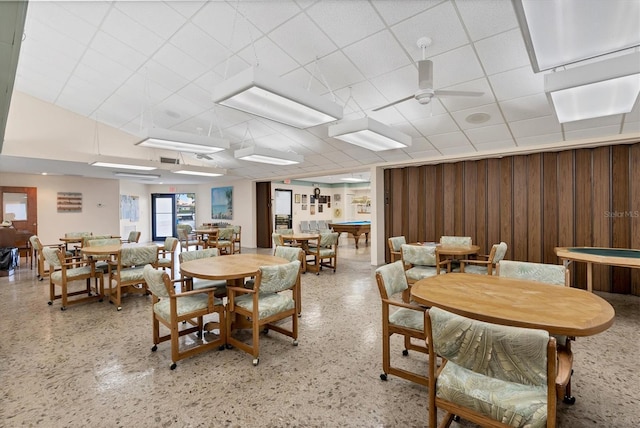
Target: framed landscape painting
(222,203)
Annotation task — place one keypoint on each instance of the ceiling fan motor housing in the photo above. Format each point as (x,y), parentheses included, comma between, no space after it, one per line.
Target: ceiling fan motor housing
(423,96)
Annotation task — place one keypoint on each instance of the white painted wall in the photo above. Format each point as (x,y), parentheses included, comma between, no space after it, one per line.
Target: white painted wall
(143,225)
(100,204)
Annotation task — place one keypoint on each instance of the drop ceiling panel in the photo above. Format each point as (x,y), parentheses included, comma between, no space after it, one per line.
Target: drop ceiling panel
(195,42)
(502,52)
(495,116)
(450,139)
(536,126)
(485,18)
(117,51)
(55,16)
(157,17)
(487,134)
(526,107)
(179,62)
(593,123)
(346,22)
(454,67)
(517,83)
(377,54)
(392,14)
(92,12)
(336,70)
(440,124)
(592,132)
(269,56)
(314,44)
(129,32)
(266,17)
(225,25)
(537,140)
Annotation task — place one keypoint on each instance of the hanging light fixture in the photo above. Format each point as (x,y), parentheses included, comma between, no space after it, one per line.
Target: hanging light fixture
(198,170)
(265,155)
(370,134)
(167,139)
(263,94)
(124,163)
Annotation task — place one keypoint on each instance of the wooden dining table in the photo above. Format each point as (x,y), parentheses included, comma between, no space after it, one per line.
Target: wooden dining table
(234,267)
(517,302)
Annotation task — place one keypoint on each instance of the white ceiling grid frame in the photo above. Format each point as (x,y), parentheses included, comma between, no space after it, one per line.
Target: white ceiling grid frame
(535,126)
(377,55)
(527,107)
(314,44)
(489,133)
(516,83)
(484,18)
(345,22)
(502,52)
(491,109)
(157,16)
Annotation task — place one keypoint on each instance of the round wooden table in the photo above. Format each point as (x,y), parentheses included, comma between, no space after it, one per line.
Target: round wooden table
(234,267)
(516,302)
(112,249)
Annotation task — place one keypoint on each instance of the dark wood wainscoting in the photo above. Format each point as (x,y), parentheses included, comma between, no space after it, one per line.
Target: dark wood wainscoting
(535,202)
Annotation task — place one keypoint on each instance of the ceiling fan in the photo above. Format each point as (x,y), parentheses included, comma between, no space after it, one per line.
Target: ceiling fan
(425,82)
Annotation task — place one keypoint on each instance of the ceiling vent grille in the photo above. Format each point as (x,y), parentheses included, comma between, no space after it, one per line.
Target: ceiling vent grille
(171,161)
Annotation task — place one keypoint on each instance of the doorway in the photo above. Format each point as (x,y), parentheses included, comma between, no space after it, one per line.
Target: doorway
(19,205)
(170,209)
(283,209)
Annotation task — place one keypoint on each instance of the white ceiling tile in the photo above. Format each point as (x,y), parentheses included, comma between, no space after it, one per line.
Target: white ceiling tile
(176,60)
(228,27)
(484,18)
(614,120)
(488,134)
(454,67)
(449,139)
(42,36)
(440,124)
(267,17)
(92,11)
(346,21)
(302,78)
(155,16)
(269,56)
(187,8)
(314,44)
(128,31)
(110,70)
(412,110)
(197,95)
(377,54)
(165,77)
(397,84)
(502,52)
(55,16)
(395,155)
(363,93)
(536,126)
(630,127)
(231,66)
(392,14)
(146,90)
(494,146)
(517,83)
(440,23)
(456,151)
(462,102)
(112,48)
(495,116)
(526,107)
(336,70)
(539,139)
(199,45)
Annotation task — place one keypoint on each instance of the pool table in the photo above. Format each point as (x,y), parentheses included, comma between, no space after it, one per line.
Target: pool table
(355,228)
(606,256)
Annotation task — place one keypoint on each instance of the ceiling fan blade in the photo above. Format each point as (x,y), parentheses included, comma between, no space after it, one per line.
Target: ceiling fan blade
(394,103)
(439,93)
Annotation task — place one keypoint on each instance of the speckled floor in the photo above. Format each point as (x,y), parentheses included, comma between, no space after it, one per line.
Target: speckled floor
(91,366)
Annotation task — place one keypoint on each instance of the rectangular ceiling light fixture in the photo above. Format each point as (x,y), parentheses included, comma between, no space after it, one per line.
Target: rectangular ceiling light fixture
(264,155)
(166,139)
(597,89)
(353,179)
(124,163)
(370,134)
(557,33)
(263,94)
(201,171)
(136,175)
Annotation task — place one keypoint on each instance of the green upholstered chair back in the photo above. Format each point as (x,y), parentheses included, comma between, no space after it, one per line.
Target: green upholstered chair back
(51,256)
(501,251)
(512,354)
(396,242)
(393,277)
(225,233)
(155,281)
(138,256)
(35,243)
(170,243)
(419,255)
(101,242)
(187,256)
(134,236)
(274,279)
(77,234)
(285,231)
(276,239)
(289,253)
(185,228)
(541,272)
(327,240)
(456,241)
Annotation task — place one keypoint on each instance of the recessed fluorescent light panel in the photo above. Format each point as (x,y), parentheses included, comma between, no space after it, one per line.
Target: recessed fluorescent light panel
(182,142)
(263,94)
(136,175)
(123,163)
(370,134)
(558,33)
(353,180)
(200,171)
(597,89)
(264,155)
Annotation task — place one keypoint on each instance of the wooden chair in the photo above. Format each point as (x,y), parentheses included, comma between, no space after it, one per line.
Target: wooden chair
(237,239)
(166,255)
(264,305)
(64,270)
(187,239)
(395,247)
(304,227)
(492,375)
(485,264)
(127,272)
(291,254)
(420,262)
(222,239)
(133,237)
(42,266)
(175,309)
(220,286)
(555,275)
(323,253)
(407,320)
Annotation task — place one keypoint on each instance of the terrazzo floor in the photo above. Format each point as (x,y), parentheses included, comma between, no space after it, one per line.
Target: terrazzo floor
(91,366)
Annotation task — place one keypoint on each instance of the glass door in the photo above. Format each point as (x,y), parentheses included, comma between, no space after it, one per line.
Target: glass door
(163,216)
(283,209)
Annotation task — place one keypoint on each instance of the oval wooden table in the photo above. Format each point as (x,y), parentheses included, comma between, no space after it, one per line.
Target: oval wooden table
(516,302)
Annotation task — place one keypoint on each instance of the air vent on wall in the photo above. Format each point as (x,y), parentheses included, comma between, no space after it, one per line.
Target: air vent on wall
(172,161)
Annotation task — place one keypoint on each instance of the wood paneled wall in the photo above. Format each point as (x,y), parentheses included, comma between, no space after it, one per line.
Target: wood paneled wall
(535,202)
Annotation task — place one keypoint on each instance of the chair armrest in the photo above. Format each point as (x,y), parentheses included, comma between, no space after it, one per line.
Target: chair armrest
(241,290)
(475,262)
(403,305)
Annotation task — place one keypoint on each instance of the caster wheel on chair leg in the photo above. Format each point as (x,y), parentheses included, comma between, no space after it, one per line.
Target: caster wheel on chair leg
(405,352)
(295,343)
(383,376)
(569,399)
(256,361)
(49,303)
(155,348)
(173,366)
(456,418)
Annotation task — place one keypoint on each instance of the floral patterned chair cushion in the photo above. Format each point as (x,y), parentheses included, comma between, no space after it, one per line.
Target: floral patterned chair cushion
(456,241)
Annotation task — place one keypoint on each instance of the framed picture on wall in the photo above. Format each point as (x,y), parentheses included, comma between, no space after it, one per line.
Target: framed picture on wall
(312,199)
(304,207)
(297,198)
(304,199)
(320,208)
(312,209)
(222,203)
